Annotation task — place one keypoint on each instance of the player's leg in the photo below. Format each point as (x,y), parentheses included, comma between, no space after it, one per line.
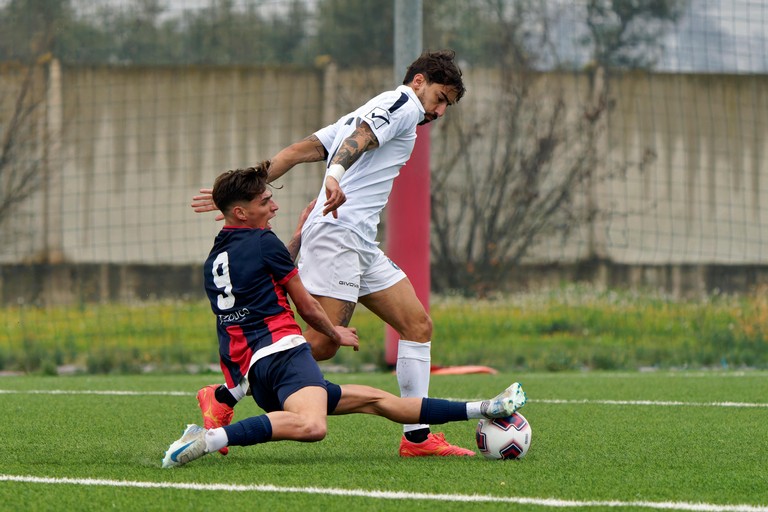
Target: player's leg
(217,401)
(289,386)
(330,270)
(303,420)
(304,417)
(361,399)
(386,291)
(339,312)
(399,307)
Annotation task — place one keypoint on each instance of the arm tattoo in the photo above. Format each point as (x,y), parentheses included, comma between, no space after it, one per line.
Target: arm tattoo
(294,245)
(322,153)
(353,147)
(348,154)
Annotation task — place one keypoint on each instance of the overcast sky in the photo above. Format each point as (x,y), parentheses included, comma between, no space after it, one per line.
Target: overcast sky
(713,36)
(721,35)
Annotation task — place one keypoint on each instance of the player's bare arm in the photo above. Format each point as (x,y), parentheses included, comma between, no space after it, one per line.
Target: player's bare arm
(309,149)
(312,313)
(361,140)
(295,243)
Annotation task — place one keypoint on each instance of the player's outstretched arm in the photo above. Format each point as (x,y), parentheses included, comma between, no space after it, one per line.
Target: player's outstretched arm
(306,150)
(309,149)
(312,313)
(295,243)
(203,202)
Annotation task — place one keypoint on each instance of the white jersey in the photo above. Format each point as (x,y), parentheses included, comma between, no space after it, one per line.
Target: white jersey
(393,117)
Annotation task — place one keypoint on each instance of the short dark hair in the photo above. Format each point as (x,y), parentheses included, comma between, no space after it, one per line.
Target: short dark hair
(439,68)
(240,185)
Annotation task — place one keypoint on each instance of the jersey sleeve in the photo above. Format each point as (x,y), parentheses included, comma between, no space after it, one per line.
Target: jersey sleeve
(276,258)
(326,136)
(391,117)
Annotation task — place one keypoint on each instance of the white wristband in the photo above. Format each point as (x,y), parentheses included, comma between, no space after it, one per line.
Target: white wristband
(337,171)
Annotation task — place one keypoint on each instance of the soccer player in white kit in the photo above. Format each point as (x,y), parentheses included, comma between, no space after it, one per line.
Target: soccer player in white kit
(341,263)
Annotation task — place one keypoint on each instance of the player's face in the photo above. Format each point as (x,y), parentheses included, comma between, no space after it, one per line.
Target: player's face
(435,98)
(261,210)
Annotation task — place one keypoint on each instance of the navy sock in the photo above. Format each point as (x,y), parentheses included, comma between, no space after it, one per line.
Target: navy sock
(417,436)
(436,411)
(254,430)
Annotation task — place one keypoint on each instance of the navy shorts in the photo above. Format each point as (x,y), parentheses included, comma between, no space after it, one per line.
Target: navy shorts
(276,377)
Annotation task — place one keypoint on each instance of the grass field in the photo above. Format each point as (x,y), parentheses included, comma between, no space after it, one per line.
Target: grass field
(568,328)
(601,440)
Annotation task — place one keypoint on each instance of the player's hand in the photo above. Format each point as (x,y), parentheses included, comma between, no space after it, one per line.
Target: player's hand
(348,336)
(334,197)
(305,214)
(294,245)
(203,203)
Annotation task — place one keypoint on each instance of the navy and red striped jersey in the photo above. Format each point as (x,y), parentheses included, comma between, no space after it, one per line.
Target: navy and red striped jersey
(244,277)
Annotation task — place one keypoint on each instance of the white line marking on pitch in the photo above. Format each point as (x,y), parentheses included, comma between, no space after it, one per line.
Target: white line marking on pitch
(391,495)
(92,392)
(651,402)
(673,403)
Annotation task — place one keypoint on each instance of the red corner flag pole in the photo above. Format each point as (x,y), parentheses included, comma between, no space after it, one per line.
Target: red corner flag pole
(407,234)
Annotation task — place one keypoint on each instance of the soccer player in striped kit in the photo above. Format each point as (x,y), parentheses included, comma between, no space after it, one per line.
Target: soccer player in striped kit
(249,276)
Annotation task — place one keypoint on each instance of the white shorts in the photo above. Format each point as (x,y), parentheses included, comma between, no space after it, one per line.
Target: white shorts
(336,262)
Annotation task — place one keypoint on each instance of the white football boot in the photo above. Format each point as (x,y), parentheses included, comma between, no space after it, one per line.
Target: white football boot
(505,403)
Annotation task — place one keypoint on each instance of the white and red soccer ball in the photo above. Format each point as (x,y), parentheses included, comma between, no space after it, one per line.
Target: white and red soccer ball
(504,438)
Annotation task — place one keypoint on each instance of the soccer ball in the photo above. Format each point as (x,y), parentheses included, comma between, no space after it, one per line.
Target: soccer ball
(504,438)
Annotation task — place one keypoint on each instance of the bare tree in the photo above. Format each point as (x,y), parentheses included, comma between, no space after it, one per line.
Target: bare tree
(489,210)
(21,117)
(524,169)
(26,139)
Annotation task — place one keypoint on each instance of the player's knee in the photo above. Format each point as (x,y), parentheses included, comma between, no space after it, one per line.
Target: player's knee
(427,326)
(419,328)
(416,327)
(324,351)
(322,346)
(314,431)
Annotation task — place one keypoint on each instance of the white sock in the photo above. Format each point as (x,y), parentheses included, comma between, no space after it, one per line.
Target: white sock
(215,440)
(412,370)
(474,409)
